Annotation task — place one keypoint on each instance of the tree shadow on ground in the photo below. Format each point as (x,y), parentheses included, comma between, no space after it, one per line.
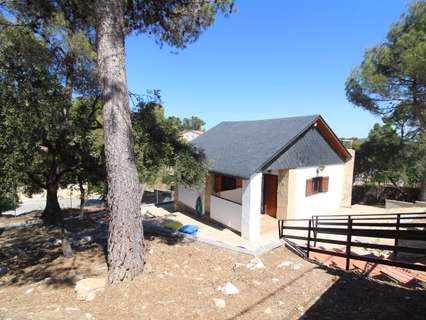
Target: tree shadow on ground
(33,255)
(352,296)
(357,297)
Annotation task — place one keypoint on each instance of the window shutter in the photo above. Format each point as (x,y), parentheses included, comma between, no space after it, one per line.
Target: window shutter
(309,187)
(217,183)
(324,184)
(239,183)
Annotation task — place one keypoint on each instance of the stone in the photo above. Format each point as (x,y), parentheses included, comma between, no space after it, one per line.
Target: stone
(255,263)
(268,310)
(275,280)
(148,268)
(3,271)
(257,283)
(229,289)
(285,264)
(236,266)
(297,267)
(71,309)
(88,288)
(220,303)
(29,291)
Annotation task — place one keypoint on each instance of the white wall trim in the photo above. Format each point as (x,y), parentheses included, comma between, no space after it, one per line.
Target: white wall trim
(226,212)
(251,207)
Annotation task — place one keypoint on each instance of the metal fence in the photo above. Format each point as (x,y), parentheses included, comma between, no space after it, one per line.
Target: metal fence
(390,227)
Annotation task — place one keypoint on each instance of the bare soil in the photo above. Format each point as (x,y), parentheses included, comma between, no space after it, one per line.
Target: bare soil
(181,281)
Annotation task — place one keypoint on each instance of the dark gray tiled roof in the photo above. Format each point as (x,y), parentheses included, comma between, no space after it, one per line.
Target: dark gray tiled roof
(311,149)
(241,148)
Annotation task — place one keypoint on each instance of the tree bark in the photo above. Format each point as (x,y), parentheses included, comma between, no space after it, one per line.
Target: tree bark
(82,196)
(125,241)
(422,195)
(52,212)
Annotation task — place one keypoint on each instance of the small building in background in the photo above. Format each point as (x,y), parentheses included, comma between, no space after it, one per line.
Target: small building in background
(189,135)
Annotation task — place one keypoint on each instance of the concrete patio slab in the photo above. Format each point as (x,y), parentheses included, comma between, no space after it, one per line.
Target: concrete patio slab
(215,234)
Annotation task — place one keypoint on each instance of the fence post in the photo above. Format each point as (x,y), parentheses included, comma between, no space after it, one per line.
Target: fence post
(279,229)
(348,243)
(309,239)
(398,218)
(315,231)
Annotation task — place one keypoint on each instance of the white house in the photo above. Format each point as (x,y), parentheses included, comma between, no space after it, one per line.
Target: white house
(285,168)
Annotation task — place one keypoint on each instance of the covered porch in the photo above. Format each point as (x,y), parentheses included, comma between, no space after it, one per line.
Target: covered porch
(217,234)
(247,206)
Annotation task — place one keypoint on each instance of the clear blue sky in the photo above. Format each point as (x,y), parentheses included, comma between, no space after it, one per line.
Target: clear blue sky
(271,59)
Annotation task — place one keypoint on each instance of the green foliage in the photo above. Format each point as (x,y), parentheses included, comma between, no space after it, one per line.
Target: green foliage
(389,156)
(392,78)
(175,22)
(391,82)
(47,111)
(53,81)
(161,155)
(193,123)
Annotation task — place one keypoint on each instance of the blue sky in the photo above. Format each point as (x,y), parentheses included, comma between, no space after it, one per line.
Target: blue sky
(271,59)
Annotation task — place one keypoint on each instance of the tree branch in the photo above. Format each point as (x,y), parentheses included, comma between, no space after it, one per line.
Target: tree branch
(36,180)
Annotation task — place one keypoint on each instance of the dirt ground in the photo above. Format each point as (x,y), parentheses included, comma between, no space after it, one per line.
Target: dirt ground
(181,282)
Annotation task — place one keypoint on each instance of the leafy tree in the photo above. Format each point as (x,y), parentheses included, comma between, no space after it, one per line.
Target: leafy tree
(44,126)
(193,123)
(391,81)
(388,156)
(160,151)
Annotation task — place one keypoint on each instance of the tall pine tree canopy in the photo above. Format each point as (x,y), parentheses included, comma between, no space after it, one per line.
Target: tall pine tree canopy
(391,80)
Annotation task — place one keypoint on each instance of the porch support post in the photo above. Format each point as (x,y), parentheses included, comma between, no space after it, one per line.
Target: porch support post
(251,207)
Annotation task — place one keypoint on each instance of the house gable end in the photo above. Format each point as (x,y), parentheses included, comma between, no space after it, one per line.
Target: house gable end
(309,150)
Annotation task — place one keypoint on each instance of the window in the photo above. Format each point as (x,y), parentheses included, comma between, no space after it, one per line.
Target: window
(316,185)
(228,183)
(223,183)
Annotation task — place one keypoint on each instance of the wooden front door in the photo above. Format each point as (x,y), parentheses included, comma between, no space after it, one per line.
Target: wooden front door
(270,186)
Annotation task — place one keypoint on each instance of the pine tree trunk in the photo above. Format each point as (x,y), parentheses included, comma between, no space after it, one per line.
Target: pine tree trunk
(125,241)
(82,196)
(52,212)
(422,195)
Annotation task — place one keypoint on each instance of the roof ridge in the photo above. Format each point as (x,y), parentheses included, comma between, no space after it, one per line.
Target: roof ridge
(270,119)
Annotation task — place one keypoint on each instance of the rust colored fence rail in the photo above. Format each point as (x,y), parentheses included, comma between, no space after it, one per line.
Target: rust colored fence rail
(400,226)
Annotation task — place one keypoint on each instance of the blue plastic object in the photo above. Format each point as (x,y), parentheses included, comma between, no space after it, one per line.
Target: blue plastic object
(189,229)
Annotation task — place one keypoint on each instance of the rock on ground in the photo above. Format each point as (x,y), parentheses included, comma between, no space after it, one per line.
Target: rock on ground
(87,288)
(255,263)
(220,303)
(229,289)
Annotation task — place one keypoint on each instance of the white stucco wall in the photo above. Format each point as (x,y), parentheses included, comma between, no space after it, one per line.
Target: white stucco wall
(189,196)
(233,195)
(251,206)
(321,203)
(226,212)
